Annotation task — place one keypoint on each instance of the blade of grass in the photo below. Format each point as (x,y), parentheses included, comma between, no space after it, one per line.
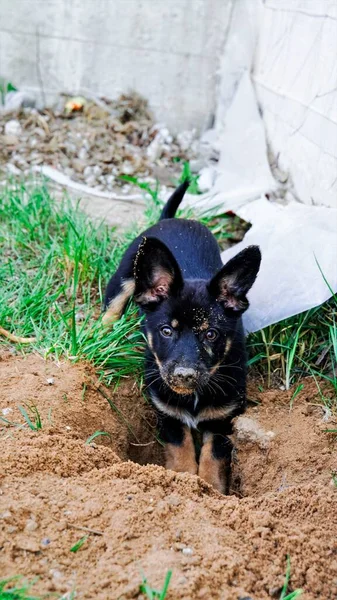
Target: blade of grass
(295,593)
(97,434)
(18,591)
(79,544)
(33,426)
(298,389)
(153,594)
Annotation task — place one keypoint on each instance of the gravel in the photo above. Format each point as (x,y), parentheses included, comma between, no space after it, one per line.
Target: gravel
(94,145)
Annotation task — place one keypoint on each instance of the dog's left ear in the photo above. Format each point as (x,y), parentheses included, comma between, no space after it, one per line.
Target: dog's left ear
(235,279)
(156,273)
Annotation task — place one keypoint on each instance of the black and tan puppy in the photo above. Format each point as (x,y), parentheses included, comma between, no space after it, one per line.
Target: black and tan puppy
(195,367)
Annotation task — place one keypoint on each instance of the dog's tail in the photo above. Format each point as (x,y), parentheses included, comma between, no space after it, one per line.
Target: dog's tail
(173,202)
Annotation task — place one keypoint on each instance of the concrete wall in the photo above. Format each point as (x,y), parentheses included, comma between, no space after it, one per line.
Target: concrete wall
(295,77)
(186,57)
(168,50)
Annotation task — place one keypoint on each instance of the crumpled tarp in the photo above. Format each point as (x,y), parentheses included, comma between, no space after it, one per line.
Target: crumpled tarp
(298,242)
(299,246)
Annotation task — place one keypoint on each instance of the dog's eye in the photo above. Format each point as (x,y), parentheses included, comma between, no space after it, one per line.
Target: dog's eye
(211,335)
(166,331)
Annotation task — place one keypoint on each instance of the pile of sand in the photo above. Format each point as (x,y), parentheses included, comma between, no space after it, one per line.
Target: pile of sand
(143,519)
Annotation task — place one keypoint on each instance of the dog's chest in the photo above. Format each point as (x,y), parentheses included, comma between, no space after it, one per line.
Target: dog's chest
(194,411)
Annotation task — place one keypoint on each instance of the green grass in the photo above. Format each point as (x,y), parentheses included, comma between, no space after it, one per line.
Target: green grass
(193,188)
(16,588)
(54,269)
(34,420)
(79,544)
(92,437)
(303,345)
(5,87)
(292,595)
(55,265)
(153,594)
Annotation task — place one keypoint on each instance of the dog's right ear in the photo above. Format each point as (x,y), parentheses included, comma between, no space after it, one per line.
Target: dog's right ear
(235,279)
(156,272)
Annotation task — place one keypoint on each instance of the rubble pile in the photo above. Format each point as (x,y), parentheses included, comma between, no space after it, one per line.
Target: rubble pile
(93,141)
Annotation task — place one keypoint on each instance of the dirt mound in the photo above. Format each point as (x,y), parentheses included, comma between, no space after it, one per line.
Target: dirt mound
(144,519)
(73,403)
(299,451)
(53,452)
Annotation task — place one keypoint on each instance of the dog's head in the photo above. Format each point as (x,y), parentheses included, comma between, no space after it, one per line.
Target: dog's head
(190,324)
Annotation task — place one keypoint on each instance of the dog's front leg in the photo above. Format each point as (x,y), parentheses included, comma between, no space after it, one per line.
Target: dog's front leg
(215,461)
(119,292)
(179,446)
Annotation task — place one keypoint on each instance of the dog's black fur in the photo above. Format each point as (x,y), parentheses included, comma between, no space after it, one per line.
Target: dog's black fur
(195,368)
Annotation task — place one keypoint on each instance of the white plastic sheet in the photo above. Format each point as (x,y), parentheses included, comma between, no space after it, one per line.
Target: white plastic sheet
(297,242)
(243,171)
(294,239)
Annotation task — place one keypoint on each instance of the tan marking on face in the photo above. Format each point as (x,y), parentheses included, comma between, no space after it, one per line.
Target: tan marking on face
(209,351)
(158,363)
(174,323)
(215,368)
(211,469)
(228,346)
(204,325)
(181,390)
(182,458)
(117,304)
(150,340)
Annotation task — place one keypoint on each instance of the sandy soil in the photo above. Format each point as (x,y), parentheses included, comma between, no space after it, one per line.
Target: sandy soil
(144,519)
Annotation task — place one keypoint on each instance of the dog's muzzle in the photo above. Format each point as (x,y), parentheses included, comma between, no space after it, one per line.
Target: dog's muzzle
(184,380)
(184,377)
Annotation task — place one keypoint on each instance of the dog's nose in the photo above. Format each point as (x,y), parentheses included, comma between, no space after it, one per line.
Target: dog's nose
(185,375)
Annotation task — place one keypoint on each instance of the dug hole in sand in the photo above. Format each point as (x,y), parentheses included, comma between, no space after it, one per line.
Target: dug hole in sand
(140,518)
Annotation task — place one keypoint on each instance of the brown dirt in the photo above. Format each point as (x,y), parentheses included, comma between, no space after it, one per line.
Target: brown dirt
(147,519)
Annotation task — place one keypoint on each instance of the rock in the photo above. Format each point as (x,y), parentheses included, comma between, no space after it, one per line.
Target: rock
(87,171)
(45,542)
(91,181)
(13,127)
(206,179)
(249,430)
(78,165)
(12,529)
(186,138)
(154,150)
(12,169)
(9,140)
(97,171)
(69,172)
(82,154)
(197,164)
(31,525)
(15,100)
(157,145)
(56,574)
(25,542)
(128,168)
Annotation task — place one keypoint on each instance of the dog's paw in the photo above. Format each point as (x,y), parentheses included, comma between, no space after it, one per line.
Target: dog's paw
(181,458)
(211,469)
